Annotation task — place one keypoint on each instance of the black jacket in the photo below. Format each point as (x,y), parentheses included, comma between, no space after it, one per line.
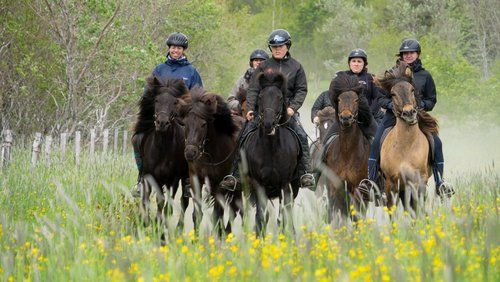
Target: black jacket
(321,102)
(371,92)
(424,86)
(295,78)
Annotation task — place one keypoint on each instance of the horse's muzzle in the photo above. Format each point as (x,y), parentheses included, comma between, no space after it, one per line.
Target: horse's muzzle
(191,153)
(162,125)
(410,116)
(346,120)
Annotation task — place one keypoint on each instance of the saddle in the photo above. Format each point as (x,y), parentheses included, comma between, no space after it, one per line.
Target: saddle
(429,139)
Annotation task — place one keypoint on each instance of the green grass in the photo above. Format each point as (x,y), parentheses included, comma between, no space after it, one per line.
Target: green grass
(62,222)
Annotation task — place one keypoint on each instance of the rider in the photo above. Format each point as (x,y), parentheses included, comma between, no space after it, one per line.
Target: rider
(177,66)
(409,52)
(256,58)
(321,102)
(357,61)
(279,43)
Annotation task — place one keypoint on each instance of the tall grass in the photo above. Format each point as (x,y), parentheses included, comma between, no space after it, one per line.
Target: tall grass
(63,222)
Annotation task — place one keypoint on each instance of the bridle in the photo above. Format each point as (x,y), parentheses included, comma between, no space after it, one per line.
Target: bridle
(277,118)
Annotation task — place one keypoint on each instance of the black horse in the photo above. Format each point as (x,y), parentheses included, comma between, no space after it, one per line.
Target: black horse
(160,137)
(272,151)
(210,135)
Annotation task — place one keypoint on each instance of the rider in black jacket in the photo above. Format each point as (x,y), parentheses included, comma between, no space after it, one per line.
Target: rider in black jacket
(409,52)
(279,43)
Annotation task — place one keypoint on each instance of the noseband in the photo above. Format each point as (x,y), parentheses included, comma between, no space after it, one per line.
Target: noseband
(277,118)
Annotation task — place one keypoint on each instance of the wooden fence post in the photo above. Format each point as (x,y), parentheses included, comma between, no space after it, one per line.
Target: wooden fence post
(125,141)
(62,144)
(48,144)
(78,138)
(92,142)
(115,141)
(36,148)
(6,146)
(105,139)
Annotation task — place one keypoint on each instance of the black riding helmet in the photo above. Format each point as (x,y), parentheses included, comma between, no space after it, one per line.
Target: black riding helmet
(279,37)
(358,53)
(258,54)
(177,39)
(409,45)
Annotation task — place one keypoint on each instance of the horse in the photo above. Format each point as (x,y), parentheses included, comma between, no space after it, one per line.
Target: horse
(210,135)
(326,119)
(272,151)
(405,151)
(161,143)
(347,154)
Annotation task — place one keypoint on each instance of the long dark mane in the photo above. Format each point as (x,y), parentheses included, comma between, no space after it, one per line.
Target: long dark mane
(155,87)
(344,82)
(402,72)
(219,113)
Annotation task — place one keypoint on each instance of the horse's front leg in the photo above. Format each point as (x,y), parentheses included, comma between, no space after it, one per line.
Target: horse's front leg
(218,214)
(286,207)
(185,195)
(260,214)
(145,191)
(196,186)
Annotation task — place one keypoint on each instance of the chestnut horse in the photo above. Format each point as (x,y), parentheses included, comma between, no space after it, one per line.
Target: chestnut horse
(210,135)
(161,144)
(404,155)
(347,154)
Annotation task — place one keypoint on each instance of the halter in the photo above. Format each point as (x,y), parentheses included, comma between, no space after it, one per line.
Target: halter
(169,120)
(277,117)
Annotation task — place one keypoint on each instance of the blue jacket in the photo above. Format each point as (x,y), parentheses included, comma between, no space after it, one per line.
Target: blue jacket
(180,68)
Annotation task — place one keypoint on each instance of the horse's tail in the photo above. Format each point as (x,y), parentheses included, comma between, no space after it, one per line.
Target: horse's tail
(427,123)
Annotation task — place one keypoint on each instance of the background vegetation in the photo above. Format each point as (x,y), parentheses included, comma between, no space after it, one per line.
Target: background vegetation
(72,64)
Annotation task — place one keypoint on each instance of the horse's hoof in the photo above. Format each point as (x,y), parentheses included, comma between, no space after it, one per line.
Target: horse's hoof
(369,190)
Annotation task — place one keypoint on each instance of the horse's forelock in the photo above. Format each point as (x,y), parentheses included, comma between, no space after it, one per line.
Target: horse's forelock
(342,83)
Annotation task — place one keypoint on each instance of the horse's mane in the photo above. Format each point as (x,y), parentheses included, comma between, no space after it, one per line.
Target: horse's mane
(344,82)
(210,107)
(154,87)
(402,72)
(326,113)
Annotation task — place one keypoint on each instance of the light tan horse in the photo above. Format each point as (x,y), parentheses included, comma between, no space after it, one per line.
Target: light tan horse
(404,155)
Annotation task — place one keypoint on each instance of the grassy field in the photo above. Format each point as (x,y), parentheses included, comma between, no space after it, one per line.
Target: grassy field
(62,222)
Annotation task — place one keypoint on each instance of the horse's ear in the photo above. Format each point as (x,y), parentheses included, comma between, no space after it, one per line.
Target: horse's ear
(156,81)
(280,81)
(408,72)
(262,79)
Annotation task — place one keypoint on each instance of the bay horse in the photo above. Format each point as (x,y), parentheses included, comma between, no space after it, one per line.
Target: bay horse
(210,135)
(404,155)
(161,144)
(347,154)
(272,151)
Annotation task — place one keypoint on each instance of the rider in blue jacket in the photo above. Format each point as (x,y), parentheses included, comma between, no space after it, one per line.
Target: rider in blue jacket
(176,66)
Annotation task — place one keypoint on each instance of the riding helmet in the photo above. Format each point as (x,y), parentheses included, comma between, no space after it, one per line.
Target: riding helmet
(258,54)
(279,37)
(409,45)
(177,39)
(358,53)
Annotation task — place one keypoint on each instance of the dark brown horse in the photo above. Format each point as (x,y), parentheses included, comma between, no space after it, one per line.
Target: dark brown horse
(210,135)
(404,156)
(161,144)
(272,151)
(347,154)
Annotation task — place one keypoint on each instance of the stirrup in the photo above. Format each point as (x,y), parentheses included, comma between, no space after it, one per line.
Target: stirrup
(307,180)
(366,186)
(229,183)
(445,189)
(136,190)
